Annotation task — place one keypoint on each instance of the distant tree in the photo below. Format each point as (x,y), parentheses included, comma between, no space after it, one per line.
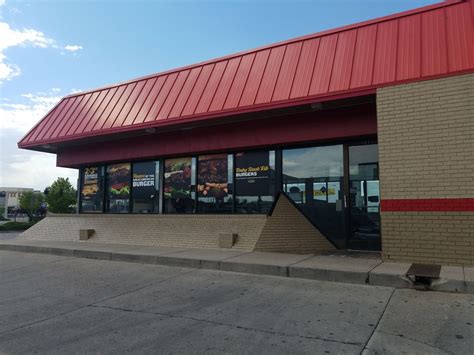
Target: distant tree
(31,202)
(61,196)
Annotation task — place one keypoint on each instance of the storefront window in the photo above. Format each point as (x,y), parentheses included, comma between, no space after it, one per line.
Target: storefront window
(214,183)
(254,181)
(313,179)
(179,195)
(146,187)
(92,195)
(118,182)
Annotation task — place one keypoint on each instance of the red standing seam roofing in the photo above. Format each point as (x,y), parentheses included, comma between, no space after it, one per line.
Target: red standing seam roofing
(429,42)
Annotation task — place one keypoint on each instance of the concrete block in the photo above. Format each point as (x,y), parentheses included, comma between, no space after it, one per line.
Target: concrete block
(227,240)
(180,262)
(334,268)
(258,269)
(469,279)
(92,254)
(391,275)
(134,258)
(451,279)
(85,234)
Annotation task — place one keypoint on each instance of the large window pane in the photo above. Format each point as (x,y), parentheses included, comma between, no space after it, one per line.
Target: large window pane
(313,178)
(92,193)
(118,182)
(364,197)
(213,184)
(254,181)
(178,185)
(146,187)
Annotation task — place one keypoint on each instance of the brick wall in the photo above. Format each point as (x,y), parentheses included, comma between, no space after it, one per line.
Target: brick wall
(287,230)
(191,231)
(426,152)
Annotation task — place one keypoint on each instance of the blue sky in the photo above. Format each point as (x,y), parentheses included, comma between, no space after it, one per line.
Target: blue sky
(51,48)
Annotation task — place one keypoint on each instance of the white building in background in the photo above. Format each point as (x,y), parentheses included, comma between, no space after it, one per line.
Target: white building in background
(10,197)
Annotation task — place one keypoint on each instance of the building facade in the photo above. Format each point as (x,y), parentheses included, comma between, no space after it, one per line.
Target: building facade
(10,198)
(355,138)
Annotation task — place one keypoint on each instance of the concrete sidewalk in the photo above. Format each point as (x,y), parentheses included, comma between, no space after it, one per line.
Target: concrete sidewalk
(338,267)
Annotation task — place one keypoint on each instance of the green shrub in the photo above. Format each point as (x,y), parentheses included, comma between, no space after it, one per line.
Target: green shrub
(16,226)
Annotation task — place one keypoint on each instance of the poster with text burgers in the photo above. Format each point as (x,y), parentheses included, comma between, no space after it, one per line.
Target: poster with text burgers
(119,180)
(178,178)
(212,176)
(143,181)
(90,183)
(252,173)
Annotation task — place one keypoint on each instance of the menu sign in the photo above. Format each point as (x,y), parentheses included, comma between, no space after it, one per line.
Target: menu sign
(252,172)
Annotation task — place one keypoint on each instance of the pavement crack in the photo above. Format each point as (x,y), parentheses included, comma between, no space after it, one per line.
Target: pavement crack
(378,321)
(35,265)
(417,341)
(265,331)
(144,286)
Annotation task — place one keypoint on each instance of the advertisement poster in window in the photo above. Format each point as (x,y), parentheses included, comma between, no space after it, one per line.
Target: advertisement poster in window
(177,182)
(252,173)
(212,176)
(90,183)
(119,181)
(143,180)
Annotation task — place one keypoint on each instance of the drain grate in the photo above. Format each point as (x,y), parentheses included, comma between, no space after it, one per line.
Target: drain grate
(423,274)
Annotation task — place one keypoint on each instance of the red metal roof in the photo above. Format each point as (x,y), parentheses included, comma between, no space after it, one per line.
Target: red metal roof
(429,42)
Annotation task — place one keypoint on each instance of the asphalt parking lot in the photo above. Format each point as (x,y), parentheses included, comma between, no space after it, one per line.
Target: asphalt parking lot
(53,304)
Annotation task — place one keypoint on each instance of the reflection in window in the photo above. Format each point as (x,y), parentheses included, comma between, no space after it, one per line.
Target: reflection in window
(313,179)
(146,187)
(364,196)
(214,183)
(91,191)
(118,182)
(179,195)
(254,181)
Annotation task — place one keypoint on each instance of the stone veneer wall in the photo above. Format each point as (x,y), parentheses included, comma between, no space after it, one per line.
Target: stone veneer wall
(426,148)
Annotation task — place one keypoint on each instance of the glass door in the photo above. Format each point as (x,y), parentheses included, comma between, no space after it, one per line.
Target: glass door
(314,179)
(364,197)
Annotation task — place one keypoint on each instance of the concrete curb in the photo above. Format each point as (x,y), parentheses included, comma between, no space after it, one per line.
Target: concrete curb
(384,274)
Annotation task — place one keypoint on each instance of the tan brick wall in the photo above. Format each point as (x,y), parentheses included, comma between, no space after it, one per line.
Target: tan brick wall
(436,237)
(426,150)
(193,231)
(287,230)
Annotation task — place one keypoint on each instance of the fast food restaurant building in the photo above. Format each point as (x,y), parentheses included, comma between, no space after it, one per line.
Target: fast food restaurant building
(361,137)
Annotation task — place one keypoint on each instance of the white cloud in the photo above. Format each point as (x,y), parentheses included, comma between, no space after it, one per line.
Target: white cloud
(14,38)
(21,116)
(24,168)
(25,37)
(2,2)
(72,48)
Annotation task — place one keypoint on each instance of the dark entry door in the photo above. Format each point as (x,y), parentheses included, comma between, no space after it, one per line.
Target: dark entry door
(364,197)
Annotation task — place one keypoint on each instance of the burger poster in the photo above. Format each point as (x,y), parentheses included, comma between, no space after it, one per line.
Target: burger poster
(119,181)
(212,177)
(90,183)
(178,178)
